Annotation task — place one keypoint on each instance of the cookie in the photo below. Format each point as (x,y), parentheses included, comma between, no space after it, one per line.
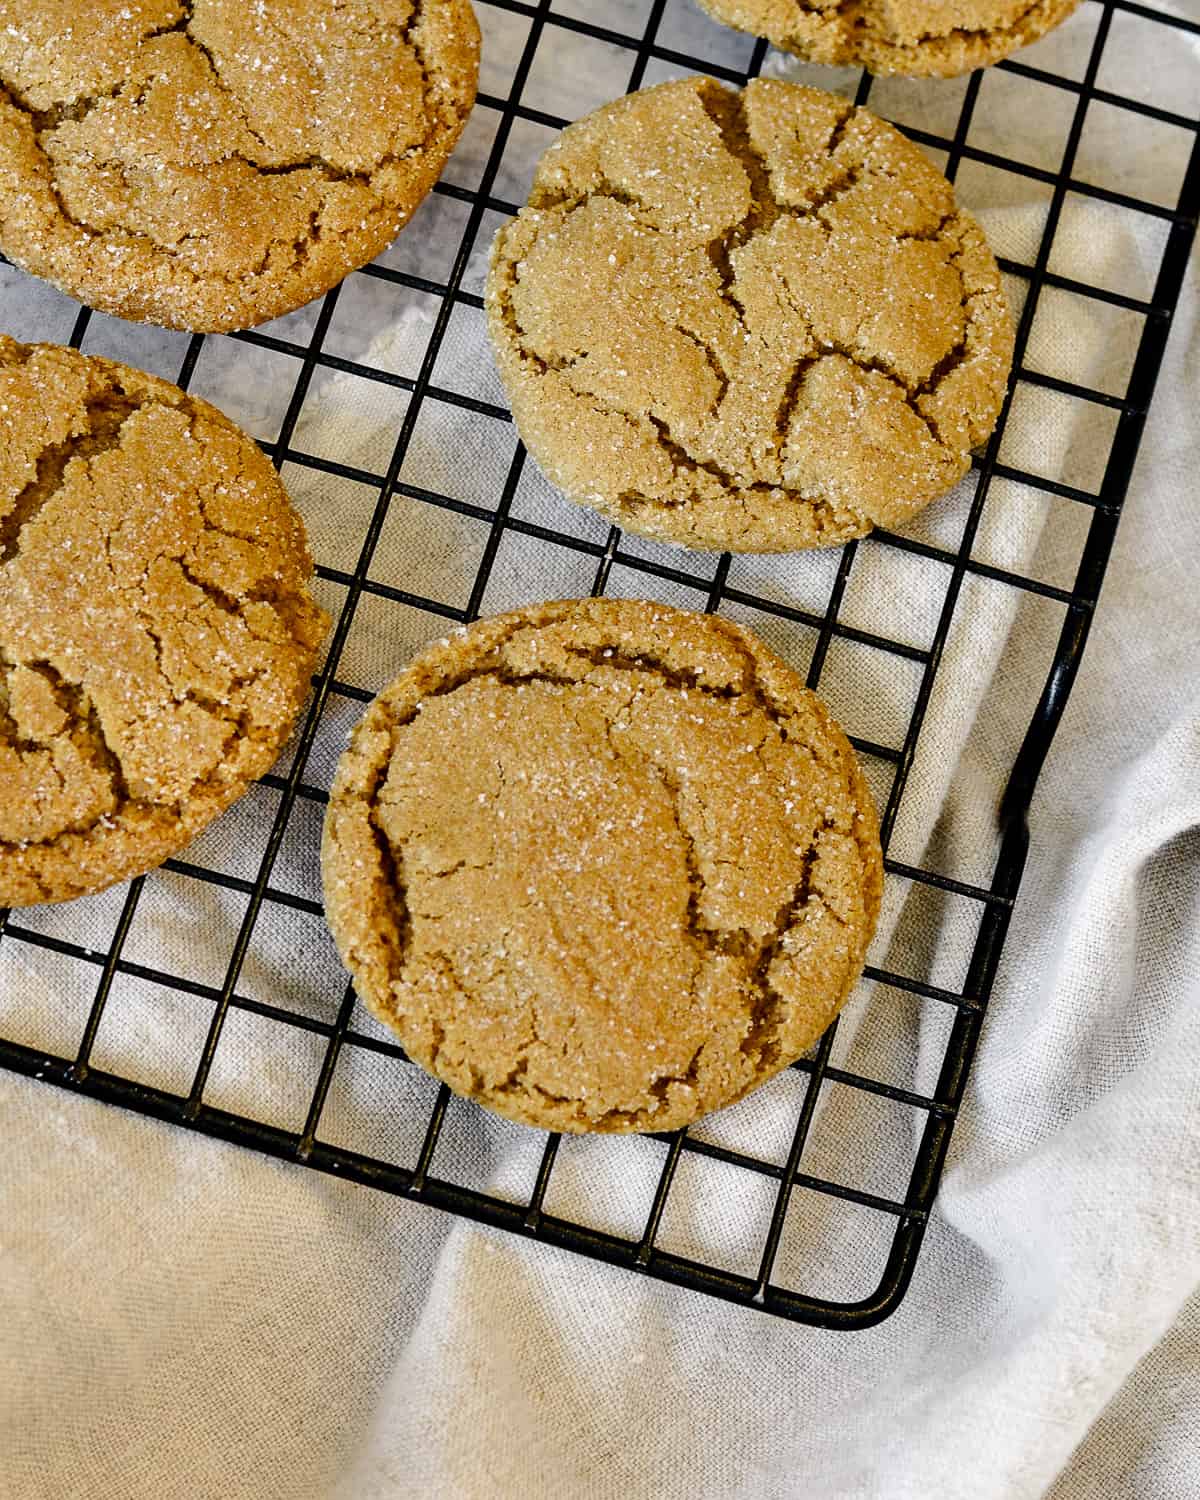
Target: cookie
(210,164)
(603,865)
(157,637)
(752,320)
(917,38)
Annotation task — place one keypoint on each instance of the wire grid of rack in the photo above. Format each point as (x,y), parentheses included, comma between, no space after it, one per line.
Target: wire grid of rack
(338,1034)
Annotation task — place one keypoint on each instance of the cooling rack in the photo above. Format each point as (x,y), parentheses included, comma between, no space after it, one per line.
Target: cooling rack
(774,1188)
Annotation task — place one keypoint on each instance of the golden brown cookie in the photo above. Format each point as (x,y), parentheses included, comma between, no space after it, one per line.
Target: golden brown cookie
(918,38)
(755,321)
(603,865)
(157,636)
(210,164)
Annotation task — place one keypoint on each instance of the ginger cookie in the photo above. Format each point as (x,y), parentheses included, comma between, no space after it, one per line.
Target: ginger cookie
(917,38)
(751,320)
(603,865)
(210,164)
(157,636)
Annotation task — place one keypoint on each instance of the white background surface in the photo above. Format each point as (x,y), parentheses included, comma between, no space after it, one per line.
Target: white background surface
(183,1319)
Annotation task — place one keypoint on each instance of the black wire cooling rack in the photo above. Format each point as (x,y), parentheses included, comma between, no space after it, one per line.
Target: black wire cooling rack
(529,1211)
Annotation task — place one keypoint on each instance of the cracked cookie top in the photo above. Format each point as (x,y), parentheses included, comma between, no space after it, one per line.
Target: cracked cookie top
(602,864)
(210,164)
(753,321)
(917,38)
(157,636)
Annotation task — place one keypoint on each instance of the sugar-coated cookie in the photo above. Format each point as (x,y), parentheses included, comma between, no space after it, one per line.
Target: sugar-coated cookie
(157,636)
(603,865)
(751,320)
(210,164)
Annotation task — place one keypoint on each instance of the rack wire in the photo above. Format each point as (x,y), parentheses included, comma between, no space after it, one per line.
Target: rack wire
(785,1170)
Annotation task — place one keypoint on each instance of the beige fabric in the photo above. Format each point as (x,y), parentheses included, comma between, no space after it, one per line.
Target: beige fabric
(181,1319)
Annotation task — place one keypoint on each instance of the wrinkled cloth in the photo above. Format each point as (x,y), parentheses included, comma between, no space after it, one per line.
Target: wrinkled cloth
(183,1318)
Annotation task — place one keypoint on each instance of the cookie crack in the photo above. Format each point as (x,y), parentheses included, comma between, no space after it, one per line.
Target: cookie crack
(621,661)
(646,662)
(690,464)
(85,732)
(714,364)
(10,733)
(88,735)
(824,513)
(727,111)
(787,403)
(391,866)
(659,1089)
(834,7)
(443,961)
(934,233)
(971,31)
(768,1008)
(184,27)
(729,942)
(230,604)
(511,1082)
(81,105)
(493,669)
(72,110)
(854,13)
(910,393)
(78,109)
(78,705)
(546,199)
(103,419)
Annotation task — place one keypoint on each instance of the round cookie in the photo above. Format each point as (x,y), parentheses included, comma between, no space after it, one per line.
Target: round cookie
(210,164)
(602,864)
(753,321)
(916,38)
(157,637)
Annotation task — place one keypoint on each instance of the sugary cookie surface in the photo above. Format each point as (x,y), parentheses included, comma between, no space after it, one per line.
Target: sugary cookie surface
(754,320)
(209,164)
(156,631)
(917,38)
(603,865)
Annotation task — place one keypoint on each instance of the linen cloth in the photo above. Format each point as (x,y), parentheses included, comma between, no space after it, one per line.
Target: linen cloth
(183,1318)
